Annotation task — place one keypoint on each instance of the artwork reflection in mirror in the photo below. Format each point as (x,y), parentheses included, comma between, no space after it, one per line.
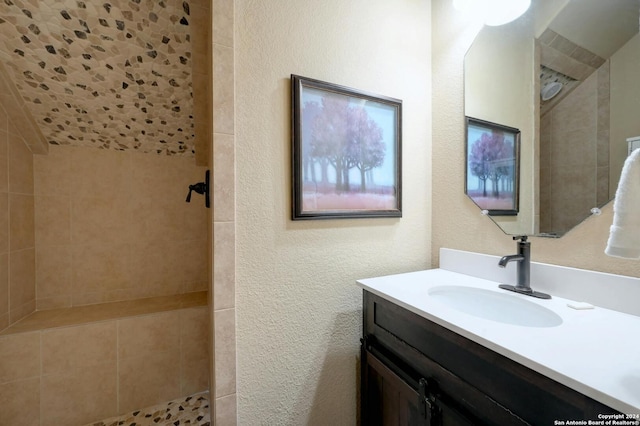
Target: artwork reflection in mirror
(492,158)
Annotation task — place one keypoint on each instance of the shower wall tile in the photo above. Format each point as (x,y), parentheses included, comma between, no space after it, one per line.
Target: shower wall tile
(122,221)
(224,177)
(4,127)
(19,312)
(224,265)
(201,40)
(21,119)
(156,220)
(602,195)
(160,175)
(20,379)
(148,380)
(4,162)
(81,373)
(79,395)
(52,220)
(99,267)
(17,231)
(223,90)
(18,398)
(20,355)
(22,283)
(223,22)
(99,172)
(54,302)
(4,290)
(575,122)
(21,222)
(85,346)
(157,267)
(193,260)
(194,354)
(202,111)
(223,380)
(226,410)
(52,173)
(225,352)
(4,222)
(148,335)
(20,166)
(103,218)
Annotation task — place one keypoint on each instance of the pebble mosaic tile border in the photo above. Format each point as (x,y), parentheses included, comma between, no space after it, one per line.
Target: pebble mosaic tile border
(113,74)
(192,410)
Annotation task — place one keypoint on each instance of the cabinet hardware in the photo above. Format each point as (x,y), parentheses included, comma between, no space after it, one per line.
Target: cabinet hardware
(429,408)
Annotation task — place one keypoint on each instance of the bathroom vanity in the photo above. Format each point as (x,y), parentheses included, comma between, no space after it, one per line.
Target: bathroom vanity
(432,360)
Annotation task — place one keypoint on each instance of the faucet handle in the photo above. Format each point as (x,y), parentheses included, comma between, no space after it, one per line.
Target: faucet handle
(522,238)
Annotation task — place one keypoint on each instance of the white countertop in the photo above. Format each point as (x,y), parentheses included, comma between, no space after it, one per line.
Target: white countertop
(595,352)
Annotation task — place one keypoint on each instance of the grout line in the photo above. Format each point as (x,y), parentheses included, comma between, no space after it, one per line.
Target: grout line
(40,414)
(118,366)
(225,395)
(180,359)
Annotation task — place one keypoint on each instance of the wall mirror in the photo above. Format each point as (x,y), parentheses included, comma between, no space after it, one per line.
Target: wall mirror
(565,75)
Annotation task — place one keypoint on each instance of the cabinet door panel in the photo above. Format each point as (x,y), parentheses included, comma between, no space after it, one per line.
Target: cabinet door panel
(394,396)
(388,399)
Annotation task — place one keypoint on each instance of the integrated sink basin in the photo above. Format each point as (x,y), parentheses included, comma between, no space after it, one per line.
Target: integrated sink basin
(495,306)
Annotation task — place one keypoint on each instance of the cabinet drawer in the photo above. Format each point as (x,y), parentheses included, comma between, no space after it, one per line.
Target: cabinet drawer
(531,397)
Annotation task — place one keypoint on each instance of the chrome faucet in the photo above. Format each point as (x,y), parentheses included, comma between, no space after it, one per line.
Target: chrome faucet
(523,257)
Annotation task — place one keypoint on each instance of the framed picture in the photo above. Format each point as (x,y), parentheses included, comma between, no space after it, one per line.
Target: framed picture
(492,166)
(346,152)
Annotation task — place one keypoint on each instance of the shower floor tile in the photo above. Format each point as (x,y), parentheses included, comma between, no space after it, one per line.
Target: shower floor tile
(192,410)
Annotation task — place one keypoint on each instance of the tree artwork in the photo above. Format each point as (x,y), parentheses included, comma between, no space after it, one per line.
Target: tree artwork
(491,161)
(344,137)
(346,152)
(366,147)
(486,161)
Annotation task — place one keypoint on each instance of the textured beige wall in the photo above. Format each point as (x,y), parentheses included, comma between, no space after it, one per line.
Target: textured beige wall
(298,309)
(457,223)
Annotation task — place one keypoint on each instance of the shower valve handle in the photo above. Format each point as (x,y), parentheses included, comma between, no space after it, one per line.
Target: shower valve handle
(200,188)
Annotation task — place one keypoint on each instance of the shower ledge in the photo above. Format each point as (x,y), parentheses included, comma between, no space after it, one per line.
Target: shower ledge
(64,317)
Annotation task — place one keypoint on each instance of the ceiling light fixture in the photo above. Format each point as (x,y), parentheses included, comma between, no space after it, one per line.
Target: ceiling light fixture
(493,12)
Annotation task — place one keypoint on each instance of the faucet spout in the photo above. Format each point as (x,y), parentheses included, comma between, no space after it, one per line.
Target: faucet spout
(523,257)
(506,259)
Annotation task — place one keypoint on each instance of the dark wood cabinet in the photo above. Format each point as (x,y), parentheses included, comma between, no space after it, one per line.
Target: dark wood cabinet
(416,372)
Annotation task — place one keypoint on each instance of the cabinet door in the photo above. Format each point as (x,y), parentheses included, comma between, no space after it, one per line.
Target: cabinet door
(392,396)
(387,400)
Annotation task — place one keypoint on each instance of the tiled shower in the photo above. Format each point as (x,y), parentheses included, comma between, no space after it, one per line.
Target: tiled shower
(106,296)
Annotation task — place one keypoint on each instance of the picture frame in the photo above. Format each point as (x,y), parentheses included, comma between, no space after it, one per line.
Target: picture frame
(492,166)
(346,152)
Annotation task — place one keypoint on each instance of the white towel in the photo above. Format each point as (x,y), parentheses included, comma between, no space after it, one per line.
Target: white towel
(624,236)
